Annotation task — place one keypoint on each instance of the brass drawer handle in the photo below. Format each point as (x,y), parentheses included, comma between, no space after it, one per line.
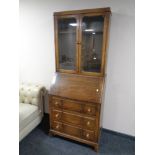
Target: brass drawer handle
(56,103)
(57,115)
(87,135)
(89,110)
(57,127)
(88,123)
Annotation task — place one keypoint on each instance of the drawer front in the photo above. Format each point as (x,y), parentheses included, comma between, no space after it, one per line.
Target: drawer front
(56,115)
(73,131)
(89,110)
(72,106)
(57,126)
(88,135)
(72,119)
(89,124)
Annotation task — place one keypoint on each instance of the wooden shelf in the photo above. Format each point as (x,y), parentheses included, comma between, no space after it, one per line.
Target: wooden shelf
(67,32)
(85,32)
(96,32)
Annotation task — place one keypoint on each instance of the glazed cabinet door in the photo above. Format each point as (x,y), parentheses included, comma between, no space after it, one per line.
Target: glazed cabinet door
(66,38)
(92,39)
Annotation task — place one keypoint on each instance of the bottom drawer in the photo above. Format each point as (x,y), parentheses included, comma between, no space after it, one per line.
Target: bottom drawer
(88,135)
(74,131)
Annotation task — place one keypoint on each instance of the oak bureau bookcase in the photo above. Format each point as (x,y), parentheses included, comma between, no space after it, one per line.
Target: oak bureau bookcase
(75,96)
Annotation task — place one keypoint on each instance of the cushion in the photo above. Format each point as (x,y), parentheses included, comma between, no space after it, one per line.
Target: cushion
(27,113)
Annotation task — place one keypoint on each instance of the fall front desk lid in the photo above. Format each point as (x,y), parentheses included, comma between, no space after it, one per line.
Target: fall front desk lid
(78,87)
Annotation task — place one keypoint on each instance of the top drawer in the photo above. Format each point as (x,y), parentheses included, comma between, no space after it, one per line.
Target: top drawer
(72,105)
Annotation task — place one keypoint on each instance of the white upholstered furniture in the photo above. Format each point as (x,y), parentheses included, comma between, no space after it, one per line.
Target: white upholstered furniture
(30,108)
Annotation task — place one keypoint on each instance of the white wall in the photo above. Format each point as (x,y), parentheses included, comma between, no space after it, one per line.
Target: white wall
(37,59)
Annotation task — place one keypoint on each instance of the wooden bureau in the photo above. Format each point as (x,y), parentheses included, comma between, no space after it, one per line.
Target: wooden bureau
(75,96)
(74,107)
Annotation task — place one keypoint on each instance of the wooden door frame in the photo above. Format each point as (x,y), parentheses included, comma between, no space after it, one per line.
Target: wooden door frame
(56,18)
(104,43)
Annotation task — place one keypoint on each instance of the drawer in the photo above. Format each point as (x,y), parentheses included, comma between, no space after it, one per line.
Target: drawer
(76,120)
(72,106)
(73,131)
(89,110)
(89,123)
(88,135)
(56,115)
(57,126)
(57,103)
(72,119)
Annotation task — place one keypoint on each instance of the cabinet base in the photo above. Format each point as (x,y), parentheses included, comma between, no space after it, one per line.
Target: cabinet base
(94,145)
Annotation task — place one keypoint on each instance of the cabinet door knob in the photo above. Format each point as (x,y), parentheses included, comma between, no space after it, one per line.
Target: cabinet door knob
(87,135)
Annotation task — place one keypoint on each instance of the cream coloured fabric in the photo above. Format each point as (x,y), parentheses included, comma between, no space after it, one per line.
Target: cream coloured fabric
(25,131)
(30,93)
(27,113)
(30,107)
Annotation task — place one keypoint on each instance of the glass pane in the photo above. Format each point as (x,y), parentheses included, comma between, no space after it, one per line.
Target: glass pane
(92,40)
(67,43)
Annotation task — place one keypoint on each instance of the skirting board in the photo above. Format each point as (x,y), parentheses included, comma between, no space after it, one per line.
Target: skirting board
(118,133)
